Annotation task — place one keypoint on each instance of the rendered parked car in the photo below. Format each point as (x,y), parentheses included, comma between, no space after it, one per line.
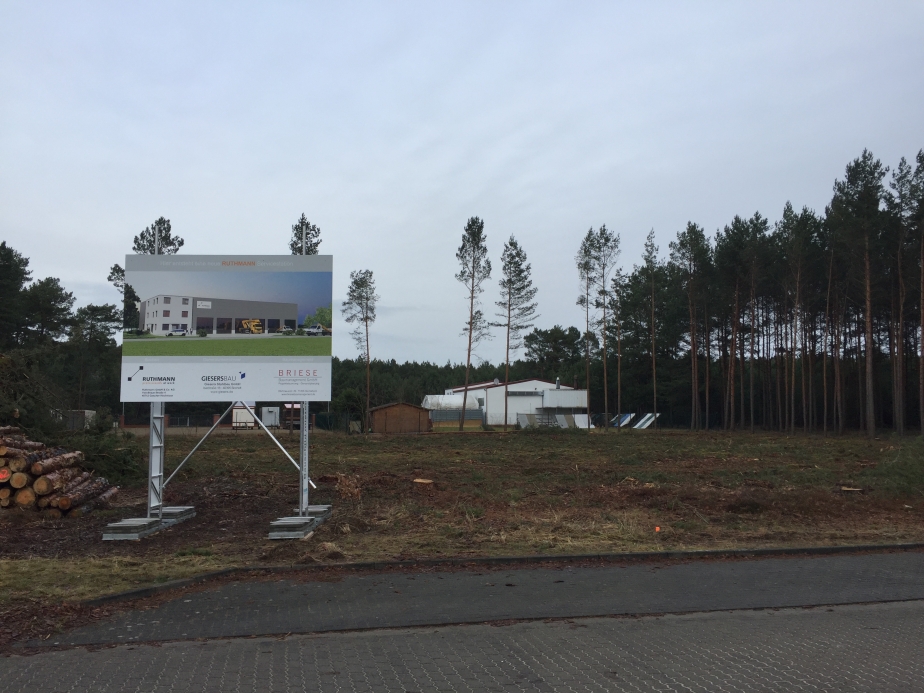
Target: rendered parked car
(178,333)
(317,330)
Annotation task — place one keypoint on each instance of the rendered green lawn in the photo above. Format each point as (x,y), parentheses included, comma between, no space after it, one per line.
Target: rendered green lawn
(256,346)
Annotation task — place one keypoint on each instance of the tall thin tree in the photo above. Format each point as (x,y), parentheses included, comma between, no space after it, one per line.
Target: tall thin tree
(359,309)
(857,203)
(605,255)
(516,304)
(650,257)
(690,252)
(585,266)
(475,268)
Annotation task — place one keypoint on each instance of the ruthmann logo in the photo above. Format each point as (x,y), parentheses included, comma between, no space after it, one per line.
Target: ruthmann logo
(158,379)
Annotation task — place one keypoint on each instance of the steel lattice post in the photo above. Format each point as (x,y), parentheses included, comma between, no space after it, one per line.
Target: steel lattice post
(156,461)
(303,479)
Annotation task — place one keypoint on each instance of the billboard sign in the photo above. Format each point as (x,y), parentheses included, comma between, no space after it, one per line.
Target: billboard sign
(229,327)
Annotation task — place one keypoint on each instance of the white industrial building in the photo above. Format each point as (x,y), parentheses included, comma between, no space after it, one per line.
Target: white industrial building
(541,402)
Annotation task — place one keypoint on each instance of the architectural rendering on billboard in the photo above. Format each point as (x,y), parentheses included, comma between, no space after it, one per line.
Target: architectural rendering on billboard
(223,328)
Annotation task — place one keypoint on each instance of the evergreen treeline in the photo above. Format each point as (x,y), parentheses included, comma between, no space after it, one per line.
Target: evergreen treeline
(810,323)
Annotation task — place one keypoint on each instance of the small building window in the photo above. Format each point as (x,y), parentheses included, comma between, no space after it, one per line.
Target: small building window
(166,313)
(185,314)
(185,301)
(166,327)
(166,299)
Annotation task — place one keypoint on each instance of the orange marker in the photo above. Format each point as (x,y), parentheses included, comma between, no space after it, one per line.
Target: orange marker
(657,529)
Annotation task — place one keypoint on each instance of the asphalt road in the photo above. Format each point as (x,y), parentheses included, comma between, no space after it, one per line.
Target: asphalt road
(732,626)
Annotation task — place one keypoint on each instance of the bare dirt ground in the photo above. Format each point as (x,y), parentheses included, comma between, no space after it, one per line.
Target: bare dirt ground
(493,494)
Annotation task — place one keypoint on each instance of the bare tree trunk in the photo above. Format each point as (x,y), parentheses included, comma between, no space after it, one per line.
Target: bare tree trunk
(468,357)
(507,360)
(741,380)
(694,385)
(900,353)
(732,356)
(368,376)
(838,379)
(753,337)
(618,370)
(708,329)
(606,391)
(804,370)
(779,390)
(796,318)
(654,366)
(921,342)
(868,286)
(587,346)
(824,346)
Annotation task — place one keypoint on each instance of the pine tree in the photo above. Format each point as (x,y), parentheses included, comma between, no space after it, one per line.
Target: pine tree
(359,309)
(517,307)
(475,268)
(585,266)
(857,207)
(306,237)
(604,257)
(157,239)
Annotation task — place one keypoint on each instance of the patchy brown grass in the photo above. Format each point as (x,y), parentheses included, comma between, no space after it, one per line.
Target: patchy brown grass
(493,494)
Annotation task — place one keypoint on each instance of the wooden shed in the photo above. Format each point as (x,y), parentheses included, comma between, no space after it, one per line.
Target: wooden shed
(399,417)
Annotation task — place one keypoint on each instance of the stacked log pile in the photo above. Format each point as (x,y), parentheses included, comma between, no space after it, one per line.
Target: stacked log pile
(50,480)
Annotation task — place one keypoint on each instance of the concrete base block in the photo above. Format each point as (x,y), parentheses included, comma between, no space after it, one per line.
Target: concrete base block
(294,527)
(134,528)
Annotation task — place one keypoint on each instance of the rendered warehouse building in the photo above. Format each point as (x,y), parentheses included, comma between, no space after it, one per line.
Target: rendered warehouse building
(164,313)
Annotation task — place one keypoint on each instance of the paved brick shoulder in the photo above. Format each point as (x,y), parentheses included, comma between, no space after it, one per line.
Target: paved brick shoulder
(400,600)
(850,648)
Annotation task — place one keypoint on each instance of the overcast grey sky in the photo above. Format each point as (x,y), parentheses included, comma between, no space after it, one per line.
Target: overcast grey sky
(389,124)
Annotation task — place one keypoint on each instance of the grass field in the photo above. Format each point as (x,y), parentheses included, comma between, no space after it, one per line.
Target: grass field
(492,494)
(256,346)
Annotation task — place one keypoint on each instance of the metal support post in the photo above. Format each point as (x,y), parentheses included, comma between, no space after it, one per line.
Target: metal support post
(304,450)
(156,461)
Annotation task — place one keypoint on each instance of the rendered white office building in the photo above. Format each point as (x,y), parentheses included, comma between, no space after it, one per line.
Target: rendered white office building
(166,312)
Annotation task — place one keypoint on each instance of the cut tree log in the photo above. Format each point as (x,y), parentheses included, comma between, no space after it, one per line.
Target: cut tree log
(21,443)
(25,497)
(45,454)
(10,429)
(55,481)
(31,445)
(5,492)
(85,492)
(52,513)
(93,503)
(20,480)
(6,502)
(53,464)
(17,464)
(5,474)
(10,451)
(52,499)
